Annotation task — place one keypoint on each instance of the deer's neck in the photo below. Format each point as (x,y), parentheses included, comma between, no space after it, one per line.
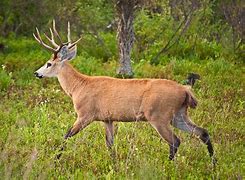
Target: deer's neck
(70,79)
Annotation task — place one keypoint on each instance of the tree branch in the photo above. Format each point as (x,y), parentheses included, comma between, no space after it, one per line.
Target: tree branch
(174,38)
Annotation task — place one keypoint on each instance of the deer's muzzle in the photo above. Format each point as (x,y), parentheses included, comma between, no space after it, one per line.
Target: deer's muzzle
(38,75)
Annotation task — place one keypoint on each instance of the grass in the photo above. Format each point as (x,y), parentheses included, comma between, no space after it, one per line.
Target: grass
(35,114)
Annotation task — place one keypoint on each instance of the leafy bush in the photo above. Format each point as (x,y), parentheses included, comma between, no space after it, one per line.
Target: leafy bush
(6,79)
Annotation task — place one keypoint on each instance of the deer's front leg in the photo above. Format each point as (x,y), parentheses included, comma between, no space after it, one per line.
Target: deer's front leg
(109,130)
(79,124)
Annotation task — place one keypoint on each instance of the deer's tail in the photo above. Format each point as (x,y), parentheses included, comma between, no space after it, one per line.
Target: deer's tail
(190,100)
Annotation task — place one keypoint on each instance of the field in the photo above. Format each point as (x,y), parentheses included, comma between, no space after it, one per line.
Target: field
(35,114)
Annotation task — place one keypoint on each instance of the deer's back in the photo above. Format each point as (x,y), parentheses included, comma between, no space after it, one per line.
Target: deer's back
(126,100)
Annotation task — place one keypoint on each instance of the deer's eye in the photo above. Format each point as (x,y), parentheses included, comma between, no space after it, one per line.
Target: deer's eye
(49,64)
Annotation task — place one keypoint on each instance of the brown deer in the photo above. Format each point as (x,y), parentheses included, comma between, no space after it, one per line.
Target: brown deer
(160,102)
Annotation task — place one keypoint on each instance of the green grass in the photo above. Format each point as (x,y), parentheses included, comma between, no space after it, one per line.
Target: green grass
(35,114)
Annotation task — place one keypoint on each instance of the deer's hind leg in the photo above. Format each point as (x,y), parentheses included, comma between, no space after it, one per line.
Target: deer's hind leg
(183,122)
(109,130)
(162,126)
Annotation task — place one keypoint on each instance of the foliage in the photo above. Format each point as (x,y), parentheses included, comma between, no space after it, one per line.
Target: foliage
(192,27)
(195,36)
(5,80)
(35,114)
(21,17)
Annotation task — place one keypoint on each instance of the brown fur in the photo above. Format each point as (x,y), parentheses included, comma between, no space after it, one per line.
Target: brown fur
(111,99)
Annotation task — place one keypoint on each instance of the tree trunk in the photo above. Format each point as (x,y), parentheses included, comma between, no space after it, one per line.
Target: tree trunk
(125,36)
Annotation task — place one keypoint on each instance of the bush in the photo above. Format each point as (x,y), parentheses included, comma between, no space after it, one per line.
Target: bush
(6,79)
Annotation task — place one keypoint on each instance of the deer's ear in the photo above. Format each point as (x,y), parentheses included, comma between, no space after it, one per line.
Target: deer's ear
(66,54)
(72,53)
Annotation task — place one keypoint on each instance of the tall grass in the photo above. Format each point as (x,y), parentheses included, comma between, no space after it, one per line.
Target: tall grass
(35,114)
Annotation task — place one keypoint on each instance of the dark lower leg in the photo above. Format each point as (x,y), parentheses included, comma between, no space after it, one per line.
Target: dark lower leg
(68,134)
(110,131)
(173,148)
(167,134)
(77,126)
(61,150)
(109,134)
(182,122)
(206,140)
(72,131)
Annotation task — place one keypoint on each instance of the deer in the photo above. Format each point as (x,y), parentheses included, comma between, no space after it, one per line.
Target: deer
(160,102)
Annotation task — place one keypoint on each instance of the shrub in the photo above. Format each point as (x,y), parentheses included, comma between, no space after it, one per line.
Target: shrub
(6,79)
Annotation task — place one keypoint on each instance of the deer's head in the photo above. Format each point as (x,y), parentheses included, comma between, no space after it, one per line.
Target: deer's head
(61,52)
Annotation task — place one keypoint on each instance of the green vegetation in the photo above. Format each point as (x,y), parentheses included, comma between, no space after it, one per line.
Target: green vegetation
(170,42)
(35,114)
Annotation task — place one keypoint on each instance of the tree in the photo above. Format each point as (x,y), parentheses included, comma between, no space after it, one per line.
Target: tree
(125,35)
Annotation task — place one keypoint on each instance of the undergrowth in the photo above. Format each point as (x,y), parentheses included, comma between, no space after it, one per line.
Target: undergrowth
(35,114)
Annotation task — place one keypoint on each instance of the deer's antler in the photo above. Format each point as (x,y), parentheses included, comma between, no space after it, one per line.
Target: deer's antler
(40,41)
(70,44)
(52,40)
(56,32)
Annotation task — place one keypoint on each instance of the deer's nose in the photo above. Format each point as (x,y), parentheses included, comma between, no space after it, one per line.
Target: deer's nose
(37,75)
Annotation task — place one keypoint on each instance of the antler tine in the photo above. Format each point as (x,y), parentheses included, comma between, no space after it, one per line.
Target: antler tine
(56,32)
(40,41)
(74,43)
(68,32)
(52,39)
(36,38)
